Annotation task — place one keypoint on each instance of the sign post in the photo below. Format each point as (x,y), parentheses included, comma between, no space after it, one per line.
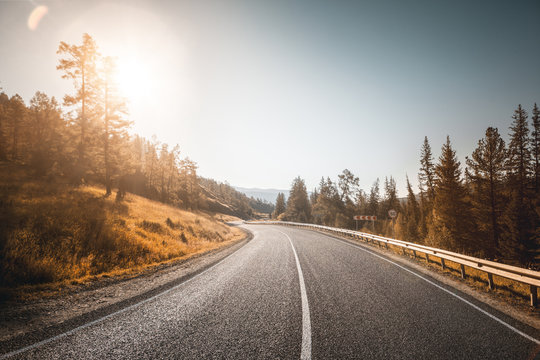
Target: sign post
(365,217)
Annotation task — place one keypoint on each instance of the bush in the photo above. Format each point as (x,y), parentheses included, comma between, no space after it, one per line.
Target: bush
(151,226)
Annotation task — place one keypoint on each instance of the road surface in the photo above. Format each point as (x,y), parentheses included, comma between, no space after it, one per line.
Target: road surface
(291,294)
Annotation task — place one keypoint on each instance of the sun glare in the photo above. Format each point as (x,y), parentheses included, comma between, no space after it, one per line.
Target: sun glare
(134,79)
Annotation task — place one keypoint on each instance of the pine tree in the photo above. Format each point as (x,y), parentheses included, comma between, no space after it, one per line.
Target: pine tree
(519,218)
(328,204)
(390,197)
(17,116)
(280,205)
(374,199)
(115,125)
(46,132)
(452,219)
(427,175)
(412,215)
(298,206)
(348,184)
(535,140)
(486,168)
(4,107)
(79,64)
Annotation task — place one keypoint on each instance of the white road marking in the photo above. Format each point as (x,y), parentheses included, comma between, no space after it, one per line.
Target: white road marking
(305,354)
(84,326)
(517,331)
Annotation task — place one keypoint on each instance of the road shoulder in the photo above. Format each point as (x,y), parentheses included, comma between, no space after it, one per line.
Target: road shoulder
(26,322)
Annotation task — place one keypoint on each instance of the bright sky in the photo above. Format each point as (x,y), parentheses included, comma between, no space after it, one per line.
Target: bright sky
(259,92)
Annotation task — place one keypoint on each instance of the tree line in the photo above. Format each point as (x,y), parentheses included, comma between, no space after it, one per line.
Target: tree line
(85,138)
(489,208)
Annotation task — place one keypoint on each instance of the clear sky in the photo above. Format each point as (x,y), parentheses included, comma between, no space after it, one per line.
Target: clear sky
(259,92)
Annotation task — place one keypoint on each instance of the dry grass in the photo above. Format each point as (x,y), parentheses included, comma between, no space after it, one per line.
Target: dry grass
(52,232)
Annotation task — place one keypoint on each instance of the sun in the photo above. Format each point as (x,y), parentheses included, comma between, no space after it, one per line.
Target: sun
(134,79)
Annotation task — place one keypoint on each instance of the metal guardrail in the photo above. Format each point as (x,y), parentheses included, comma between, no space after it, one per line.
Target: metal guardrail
(526,276)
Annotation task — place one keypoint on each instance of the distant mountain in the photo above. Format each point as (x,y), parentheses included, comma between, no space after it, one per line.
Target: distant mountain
(269,195)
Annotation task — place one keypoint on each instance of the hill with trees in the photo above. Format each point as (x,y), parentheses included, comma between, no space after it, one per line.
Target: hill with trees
(61,160)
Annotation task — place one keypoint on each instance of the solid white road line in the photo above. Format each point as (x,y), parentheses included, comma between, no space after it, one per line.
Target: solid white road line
(305,354)
(84,326)
(528,337)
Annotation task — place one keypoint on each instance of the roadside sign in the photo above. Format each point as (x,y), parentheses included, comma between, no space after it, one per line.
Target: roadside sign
(365,217)
(392,213)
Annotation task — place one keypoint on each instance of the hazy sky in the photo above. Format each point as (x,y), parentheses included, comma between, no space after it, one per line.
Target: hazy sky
(258,92)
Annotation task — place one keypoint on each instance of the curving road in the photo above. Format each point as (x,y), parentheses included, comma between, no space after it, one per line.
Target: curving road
(290,294)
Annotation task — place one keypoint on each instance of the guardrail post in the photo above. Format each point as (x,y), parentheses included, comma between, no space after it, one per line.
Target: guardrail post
(462,268)
(386,245)
(490,281)
(534,296)
(443,265)
(414,253)
(427,258)
(403,251)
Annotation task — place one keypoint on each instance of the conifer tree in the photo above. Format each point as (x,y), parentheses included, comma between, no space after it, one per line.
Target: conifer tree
(78,63)
(115,125)
(486,171)
(374,199)
(427,173)
(17,115)
(328,203)
(412,215)
(46,132)
(519,217)
(452,219)
(390,197)
(280,205)
(4,107)
(535,140)
(348,184)
(298,206)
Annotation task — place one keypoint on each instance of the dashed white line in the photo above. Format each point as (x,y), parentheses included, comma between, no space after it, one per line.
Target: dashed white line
(305,353)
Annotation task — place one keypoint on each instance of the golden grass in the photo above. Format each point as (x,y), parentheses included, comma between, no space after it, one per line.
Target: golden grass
(52,232)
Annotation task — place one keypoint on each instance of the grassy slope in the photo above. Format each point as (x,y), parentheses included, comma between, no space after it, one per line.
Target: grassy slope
(54,232)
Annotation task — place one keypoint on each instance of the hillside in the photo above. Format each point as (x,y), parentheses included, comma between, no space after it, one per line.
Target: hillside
(51,231)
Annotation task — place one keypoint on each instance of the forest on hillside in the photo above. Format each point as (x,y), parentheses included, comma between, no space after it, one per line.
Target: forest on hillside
(489,208)
(84,138)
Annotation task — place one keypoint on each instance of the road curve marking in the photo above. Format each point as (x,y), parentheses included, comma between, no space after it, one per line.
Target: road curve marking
(305,354)
(517,331)
(84,326)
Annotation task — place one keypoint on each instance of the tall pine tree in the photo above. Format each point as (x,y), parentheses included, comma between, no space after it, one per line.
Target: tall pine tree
(115,124)
(486,168)
(519,217)
(280,205)
(535,142)
(78,63)
(452,223)
(298,206)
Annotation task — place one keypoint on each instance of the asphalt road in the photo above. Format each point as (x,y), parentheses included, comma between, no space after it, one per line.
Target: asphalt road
(290,294)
